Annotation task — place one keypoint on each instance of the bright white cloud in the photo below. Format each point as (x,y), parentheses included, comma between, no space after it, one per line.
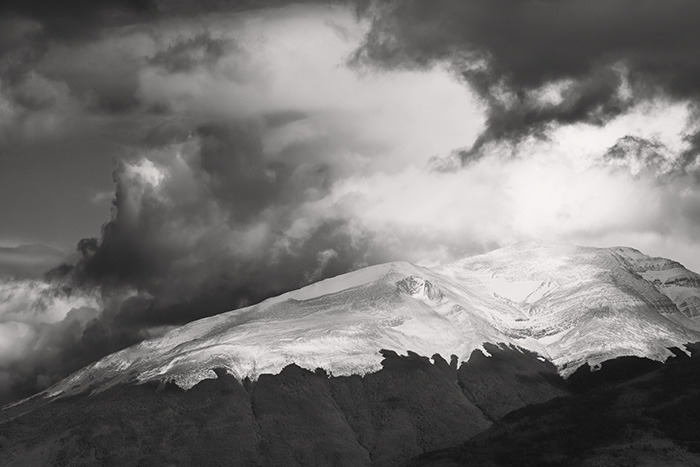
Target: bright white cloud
(29,309)
(561,188)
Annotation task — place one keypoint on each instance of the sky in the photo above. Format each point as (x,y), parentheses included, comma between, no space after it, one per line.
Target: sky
(162,160)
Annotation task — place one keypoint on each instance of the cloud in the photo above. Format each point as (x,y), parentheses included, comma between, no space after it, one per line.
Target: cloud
(42,325)
(187,54)
(28,260)
(78,19)
(602,57)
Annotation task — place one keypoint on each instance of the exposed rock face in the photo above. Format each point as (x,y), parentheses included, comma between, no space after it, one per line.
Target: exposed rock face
(669,277)
(294,418)
(418,287)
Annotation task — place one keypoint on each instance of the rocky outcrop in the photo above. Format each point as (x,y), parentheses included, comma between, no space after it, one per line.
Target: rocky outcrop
(417,287)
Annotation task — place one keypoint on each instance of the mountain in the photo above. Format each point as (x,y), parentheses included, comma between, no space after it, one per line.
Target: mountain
(318,376)
(572,305)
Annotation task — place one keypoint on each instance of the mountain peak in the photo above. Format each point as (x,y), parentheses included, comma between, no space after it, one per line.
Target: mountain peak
(538,248)
(533,244)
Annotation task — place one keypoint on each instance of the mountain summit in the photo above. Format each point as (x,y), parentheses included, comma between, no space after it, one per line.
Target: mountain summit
(571,305)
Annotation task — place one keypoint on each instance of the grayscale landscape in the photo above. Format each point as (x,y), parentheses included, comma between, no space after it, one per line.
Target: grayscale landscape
(350,233)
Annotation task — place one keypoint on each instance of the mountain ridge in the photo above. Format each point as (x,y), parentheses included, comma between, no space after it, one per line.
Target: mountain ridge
(570,304)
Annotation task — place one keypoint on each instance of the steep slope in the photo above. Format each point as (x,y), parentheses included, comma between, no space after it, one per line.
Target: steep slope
(294,418)
(652,418)
(569,304)
(670,278)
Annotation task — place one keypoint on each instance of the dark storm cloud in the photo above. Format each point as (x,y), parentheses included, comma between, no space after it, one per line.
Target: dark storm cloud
(212,236)
(592,100)
(71,20)
(527,44)
(28,260)
(168,131)
(78,19)
(648,153)
(232,158)
(278,119)
(187,54)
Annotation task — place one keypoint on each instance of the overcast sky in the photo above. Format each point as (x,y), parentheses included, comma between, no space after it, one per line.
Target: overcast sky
(193,158)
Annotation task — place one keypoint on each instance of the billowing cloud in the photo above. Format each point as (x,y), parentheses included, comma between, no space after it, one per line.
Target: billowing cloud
(537,63)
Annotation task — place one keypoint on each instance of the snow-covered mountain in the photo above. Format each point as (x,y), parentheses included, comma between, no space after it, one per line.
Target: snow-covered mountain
(570,304)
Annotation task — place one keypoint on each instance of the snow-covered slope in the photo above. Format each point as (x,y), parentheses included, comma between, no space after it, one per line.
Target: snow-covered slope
(669,277)
(570,304)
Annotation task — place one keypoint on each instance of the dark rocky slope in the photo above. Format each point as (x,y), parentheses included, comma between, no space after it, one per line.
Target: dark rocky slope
(632,412)
(295,418)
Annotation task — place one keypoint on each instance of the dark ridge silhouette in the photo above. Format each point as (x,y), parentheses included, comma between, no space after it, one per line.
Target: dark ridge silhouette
(611,372)
(295,418)
(631,412)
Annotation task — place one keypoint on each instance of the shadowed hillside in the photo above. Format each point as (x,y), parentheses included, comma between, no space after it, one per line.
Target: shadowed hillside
(631,412)
(295,418)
